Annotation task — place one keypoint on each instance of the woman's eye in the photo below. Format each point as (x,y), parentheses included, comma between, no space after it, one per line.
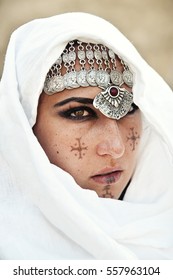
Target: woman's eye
(78,113)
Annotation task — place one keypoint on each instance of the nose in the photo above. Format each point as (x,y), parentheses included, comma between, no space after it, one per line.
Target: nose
(110,140)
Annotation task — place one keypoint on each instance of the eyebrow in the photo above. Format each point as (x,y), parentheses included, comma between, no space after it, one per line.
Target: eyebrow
(74,99)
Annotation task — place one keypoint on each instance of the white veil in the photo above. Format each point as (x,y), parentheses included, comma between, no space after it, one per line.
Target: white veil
(43,213)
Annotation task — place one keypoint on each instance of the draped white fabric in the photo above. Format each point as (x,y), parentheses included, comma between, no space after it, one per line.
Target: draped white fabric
(43,213)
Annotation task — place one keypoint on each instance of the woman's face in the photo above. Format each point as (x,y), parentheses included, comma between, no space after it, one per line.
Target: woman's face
(100,153)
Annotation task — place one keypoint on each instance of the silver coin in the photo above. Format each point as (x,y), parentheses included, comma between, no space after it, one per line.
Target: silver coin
(89,54)
(81,54)
(116,77)
(111,54)
(65,58)
(102,78)
(72,56)
(71,79)
(128,78)
(104,55)
(54,84)
(81,78)
(97,54)
(91,77)
(65,77)
(59,83)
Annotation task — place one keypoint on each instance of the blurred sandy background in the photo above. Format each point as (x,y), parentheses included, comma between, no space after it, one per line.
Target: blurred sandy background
(147,23)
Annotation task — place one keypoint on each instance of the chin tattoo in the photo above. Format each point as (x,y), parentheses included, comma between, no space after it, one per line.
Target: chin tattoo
(107,192)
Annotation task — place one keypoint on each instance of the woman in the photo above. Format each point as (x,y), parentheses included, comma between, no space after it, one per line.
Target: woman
(99,145)
(85,173)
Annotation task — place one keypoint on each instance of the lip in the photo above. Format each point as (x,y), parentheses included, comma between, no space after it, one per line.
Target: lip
(107,176)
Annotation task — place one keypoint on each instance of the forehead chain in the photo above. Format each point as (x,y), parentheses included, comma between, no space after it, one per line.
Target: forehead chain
(97,67)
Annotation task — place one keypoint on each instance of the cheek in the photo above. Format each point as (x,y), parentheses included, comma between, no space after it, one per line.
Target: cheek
(66,148)
(68,151)
(52,140)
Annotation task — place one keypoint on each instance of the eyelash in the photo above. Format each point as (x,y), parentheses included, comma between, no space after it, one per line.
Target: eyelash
(91,114)
(68,113)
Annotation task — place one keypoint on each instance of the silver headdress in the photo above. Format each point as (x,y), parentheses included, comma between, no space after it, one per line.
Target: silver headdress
(94,65)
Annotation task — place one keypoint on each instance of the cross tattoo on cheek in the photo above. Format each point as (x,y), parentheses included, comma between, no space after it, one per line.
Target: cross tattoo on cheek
(79,147)
(133,137)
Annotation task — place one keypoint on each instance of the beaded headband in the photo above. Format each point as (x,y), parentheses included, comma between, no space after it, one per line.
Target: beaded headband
(94,65)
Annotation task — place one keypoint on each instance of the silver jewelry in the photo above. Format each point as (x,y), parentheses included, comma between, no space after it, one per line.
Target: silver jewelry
(101,73)
(91,73)
(127,75)
(91,77)
(114,102)
(128,78)
(116,77)
(102,78)
(82,78)
(88,64)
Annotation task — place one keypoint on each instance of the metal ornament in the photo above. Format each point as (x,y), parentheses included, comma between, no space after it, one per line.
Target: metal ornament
(85,65)
(53,85)
(128,78)
(116,77)
(70,80)
(91,77)
(81,78)
(102,78)
(114,102)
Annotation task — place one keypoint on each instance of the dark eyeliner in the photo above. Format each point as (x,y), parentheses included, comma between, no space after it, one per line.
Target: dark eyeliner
(133,109)
(68,113)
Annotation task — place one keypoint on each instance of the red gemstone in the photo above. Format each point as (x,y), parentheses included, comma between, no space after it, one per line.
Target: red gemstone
(113,91)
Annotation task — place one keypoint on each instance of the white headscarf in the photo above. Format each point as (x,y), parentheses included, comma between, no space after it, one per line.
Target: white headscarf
(44,214)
